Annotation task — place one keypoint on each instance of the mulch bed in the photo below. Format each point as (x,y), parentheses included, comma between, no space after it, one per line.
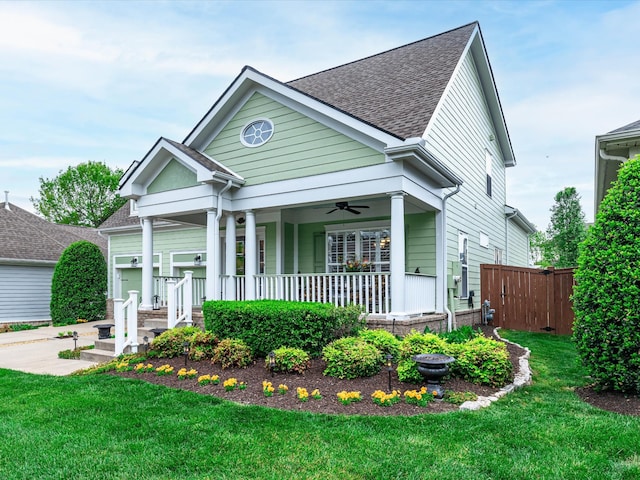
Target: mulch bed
(313,378)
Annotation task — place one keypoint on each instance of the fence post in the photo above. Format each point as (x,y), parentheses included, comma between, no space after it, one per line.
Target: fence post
(171,303)
(187,299)
(132,320)
(119,321)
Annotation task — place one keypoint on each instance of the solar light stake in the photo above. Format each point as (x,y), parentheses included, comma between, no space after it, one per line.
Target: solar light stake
(389,357)
(185,352)
(75,340)
(272,361)
(145,339)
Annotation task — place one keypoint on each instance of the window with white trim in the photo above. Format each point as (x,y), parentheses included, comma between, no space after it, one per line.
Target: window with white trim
(463,250)
(354,250)
(488,160)
(498,256)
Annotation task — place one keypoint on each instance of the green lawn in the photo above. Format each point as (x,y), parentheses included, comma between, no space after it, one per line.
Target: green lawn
(103,427)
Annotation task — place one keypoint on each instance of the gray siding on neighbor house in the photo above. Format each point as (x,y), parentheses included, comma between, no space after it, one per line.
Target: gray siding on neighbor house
(25,292)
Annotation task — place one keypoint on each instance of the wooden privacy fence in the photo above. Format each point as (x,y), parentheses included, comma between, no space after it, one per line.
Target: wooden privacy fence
(530,299)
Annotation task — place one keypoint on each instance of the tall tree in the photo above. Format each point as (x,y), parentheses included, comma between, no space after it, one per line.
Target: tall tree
(566,230)
(84,195)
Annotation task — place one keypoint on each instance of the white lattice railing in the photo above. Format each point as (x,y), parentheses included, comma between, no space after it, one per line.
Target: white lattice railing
(126,328)
(180,301)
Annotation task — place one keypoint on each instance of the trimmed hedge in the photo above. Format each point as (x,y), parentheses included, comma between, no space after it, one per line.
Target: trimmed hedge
(269,324)
(383,340)
(79,284)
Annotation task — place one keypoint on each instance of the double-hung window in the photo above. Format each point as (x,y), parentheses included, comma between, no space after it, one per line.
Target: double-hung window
(463,250)
(359,250)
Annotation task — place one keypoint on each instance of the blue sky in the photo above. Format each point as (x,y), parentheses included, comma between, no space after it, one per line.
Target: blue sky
(103,80)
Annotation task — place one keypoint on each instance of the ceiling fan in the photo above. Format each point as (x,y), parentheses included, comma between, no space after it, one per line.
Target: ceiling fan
(347,207)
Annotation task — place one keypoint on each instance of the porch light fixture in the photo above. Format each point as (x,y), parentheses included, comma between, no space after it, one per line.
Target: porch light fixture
(185,351)
(134,262)
(389,358)
(272,361)
(197,261)
(75,340)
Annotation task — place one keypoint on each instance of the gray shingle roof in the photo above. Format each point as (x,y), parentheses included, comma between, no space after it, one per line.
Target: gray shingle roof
(397,90)
(202,159)
(25,236)
(121,218)
(632,126)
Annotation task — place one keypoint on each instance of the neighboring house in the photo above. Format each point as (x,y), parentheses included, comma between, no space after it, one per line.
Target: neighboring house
(612,150)
(29,250)
(397,160)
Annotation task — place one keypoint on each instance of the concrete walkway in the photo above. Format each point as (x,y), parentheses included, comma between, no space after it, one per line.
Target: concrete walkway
(36,351)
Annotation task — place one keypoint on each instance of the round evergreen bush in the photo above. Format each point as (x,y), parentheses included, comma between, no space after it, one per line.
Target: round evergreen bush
(79,285)
(351,357)
(290,360)
(232,352)
(170,344)
(605,299)
(384,341)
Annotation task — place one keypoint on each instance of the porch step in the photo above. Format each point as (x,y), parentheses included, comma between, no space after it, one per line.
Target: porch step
(96,355)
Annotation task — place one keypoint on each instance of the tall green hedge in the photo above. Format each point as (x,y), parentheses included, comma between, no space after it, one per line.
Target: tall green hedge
(606,299)
(79,285)
(269,324)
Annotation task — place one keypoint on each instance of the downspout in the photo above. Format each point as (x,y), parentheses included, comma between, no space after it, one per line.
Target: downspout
(506,236)
(606,156)
(445,288)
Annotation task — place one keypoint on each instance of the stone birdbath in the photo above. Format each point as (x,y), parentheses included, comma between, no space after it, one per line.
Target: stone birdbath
(432,367)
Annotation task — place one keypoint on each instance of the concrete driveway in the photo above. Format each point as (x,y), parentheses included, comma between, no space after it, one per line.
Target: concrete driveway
(36,351)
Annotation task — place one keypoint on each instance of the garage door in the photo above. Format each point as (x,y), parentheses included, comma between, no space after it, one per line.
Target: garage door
(25,293)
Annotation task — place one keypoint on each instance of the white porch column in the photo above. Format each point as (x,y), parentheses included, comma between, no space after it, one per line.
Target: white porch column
(397,255)
(250,255)
(212,286)
(230,260)
(147,264)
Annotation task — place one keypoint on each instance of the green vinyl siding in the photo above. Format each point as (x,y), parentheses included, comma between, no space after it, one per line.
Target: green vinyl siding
(421,242)
(288,248)
(460,135)
(299,147)
(173,176)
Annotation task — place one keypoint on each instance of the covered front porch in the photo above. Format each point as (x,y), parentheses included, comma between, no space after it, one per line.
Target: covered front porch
(369,290)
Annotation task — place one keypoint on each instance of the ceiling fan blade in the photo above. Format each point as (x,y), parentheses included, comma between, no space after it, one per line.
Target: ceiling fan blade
(349,209)
(331,211)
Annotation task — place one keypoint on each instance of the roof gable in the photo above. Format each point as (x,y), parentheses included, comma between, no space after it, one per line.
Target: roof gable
(25,236)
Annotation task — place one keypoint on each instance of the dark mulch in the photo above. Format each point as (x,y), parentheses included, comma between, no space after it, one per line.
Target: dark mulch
(313,378)
(329,387)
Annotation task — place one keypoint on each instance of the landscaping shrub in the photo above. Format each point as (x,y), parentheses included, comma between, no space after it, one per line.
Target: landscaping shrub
(290,360)
(79,284)
(170,344)
(460,335)
(232,352)
(268,324)
(482,361)
(605,299)
(351,357)
(384,341)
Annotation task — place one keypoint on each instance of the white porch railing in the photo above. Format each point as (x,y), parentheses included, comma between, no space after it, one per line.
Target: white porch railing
(180,301)
(126,328)
(160,290)
(419,293)
(370,290)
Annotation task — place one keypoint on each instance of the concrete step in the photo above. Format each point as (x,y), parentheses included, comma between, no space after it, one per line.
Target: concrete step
(96,355)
